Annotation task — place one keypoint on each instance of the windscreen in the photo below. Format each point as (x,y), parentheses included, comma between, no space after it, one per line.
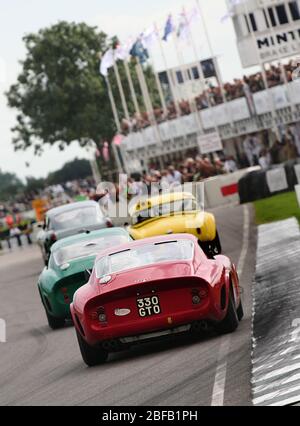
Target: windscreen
(165,209)
(142,256)
(87,248)
(81,217)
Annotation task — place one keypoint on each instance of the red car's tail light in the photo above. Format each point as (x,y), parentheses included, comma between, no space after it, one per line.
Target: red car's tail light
(109,223)
(99,314)
(53,238)
(198,294)
(203,292)
(64,291)
(196,300)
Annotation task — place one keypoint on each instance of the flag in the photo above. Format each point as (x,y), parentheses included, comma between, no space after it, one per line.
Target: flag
(149,37)
(230,13)
(235,2)
(193,15)
(122,51)
(169,28)
(107,62)
(139,51)
(117,140)
(183,27)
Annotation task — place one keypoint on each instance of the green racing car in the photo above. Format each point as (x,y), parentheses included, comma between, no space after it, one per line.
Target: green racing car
(70,264)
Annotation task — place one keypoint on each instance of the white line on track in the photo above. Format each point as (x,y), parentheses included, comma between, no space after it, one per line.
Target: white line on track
(220,378)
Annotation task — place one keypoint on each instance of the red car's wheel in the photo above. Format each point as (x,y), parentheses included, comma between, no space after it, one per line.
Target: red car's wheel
(231,321)
(91,356)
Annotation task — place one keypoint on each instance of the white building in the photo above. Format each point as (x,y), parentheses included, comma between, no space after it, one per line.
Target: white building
(186,79)
(266,30)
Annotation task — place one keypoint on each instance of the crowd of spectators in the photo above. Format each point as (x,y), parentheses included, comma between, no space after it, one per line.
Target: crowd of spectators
(213,96)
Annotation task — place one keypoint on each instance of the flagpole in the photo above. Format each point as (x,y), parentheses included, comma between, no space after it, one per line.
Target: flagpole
(134,96)
(170,77)
(192,102)
(121,91)
(148,104)
(131,87)
(117,121)
(161,94)
(201,73)
(171,83)
(125,108)
(216,65)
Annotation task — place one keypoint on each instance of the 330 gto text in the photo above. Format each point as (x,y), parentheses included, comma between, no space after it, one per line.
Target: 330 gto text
(148,306)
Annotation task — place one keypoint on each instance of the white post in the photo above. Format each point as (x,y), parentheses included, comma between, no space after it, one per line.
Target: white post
(2,331)
(297,189)
(117,121)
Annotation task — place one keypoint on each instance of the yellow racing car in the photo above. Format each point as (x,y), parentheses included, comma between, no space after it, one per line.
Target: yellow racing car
(174,213)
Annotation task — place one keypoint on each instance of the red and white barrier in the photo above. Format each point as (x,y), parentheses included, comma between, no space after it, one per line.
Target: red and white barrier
(223,189)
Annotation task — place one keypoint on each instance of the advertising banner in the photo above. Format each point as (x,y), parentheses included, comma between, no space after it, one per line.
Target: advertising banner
(210,143)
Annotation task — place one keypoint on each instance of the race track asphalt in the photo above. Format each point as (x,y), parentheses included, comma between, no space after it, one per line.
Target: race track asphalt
(42,367)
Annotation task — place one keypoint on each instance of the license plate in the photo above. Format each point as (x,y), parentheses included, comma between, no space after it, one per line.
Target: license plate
(148,306)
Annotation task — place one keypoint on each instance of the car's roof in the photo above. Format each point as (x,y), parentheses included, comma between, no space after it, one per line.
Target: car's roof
(148,202)
(70,207)
(146,241)
(87,236)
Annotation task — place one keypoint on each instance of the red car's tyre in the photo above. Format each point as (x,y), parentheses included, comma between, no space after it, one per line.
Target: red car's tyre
(231,321)
(91,356)
(55,323)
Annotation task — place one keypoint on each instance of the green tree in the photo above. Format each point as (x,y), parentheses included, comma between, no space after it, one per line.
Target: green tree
(60,95)
(34,184)
(10,186)
(76,169)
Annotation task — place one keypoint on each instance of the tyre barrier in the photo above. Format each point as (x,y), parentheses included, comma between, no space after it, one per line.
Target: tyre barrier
(262,184)
(223,190)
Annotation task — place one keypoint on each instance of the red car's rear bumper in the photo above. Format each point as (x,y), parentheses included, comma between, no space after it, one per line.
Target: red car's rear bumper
(95,333)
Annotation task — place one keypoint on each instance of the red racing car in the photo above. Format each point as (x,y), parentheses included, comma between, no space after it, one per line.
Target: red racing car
(151,288)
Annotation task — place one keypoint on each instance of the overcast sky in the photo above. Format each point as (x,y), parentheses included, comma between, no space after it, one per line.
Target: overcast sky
(122,17)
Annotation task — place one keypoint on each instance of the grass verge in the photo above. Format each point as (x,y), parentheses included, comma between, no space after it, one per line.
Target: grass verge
(276,208)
